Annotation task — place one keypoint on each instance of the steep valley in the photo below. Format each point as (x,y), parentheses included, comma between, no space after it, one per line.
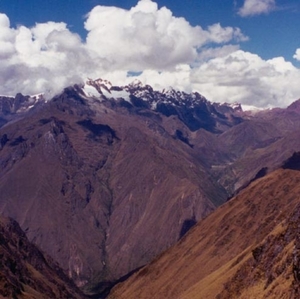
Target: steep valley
(99,188)
(104,179)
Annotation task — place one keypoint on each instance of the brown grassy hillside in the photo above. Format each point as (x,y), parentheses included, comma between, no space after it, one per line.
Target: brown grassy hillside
(247,248)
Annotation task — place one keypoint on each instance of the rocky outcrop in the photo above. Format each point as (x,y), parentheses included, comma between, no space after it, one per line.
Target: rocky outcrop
(12,108)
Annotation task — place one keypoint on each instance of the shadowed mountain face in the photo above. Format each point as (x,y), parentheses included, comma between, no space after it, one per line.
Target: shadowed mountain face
(12,108)
(25,272)
(248,248)
(105,178)
(293,162)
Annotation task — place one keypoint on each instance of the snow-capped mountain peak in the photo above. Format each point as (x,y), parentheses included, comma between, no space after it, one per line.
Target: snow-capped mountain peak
(19,103)
(193,108)
(104,89)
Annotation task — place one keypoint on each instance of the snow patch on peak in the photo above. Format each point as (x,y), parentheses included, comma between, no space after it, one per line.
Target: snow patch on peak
(100,89)
(90,91)
(136,91)
(37,97)
(99,84)
(252,108)
(102,83)
(117,94)
(136,83)
(170,92)
(235,106)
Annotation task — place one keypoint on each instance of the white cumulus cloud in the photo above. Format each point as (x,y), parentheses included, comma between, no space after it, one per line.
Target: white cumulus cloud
(45,58)
(248,79)
(297,54)
(256,7)
(48,56)
(236,77)
(148,37)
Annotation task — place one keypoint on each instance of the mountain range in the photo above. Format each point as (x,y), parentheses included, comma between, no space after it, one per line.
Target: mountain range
(105,178)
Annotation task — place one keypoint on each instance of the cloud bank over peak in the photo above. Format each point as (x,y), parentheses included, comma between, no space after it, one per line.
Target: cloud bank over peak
(161,49)
(48,56)
(246,78)
(256,7)
(44,58)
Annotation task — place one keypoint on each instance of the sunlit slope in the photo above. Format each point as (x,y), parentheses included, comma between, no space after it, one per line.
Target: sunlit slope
(245,249)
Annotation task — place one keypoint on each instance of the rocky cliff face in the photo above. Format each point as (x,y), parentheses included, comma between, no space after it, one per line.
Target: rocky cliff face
(14,107)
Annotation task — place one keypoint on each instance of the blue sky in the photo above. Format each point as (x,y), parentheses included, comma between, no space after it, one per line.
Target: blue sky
(257,39)
(274,34)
